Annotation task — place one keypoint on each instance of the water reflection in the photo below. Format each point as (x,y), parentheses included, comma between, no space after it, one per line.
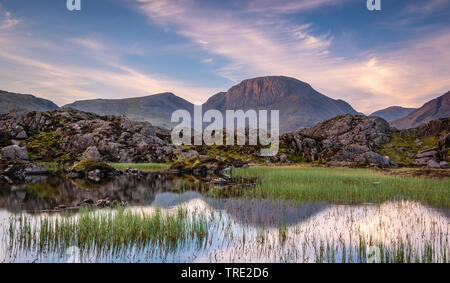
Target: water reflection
(240,229)
(51,192)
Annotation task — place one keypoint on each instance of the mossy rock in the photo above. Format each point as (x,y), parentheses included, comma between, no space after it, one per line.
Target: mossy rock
(205,166)
(404,139)
(92,165)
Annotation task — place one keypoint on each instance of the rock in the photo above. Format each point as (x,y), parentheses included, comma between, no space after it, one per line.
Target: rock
(444,142)
(86,202)
(204,167)
(92,168)
(403,148)
(344,140)
(411,155)
(14,152)
(444,164)
(36,170)
(22,135)
(190,154)
(433,164)
(91,153)
(419,144)
(283,158)
(432,153)
(74,134)
(375,158)
(219,181)
(422,161)
(351,129)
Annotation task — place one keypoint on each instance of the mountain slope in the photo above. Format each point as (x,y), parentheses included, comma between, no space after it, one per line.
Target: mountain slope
(156,109)
(393,113)
(10,101)
(299,104)
(433,109)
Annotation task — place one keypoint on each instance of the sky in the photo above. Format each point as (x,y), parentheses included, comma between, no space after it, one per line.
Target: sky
(129,48)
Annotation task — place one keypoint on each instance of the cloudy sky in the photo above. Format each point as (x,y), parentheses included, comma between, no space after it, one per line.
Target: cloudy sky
(128,48)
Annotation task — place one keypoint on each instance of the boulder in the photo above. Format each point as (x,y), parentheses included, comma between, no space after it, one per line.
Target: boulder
(351,129)
(22,135)
(433,164)
(14,152)
(344,140)
(36,169)
(422,161)
(444,164)
(92,168)
(432,153)
(91,153)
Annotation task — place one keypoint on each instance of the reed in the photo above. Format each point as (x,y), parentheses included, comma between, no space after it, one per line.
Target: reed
(344,186)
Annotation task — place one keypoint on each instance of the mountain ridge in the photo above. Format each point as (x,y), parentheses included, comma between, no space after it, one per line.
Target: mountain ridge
(431,110)
(300,105)
(156,108)
(28,102)
(393,112)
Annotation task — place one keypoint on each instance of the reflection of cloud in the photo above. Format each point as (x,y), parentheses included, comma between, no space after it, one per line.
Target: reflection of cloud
(257,45)
(388,224)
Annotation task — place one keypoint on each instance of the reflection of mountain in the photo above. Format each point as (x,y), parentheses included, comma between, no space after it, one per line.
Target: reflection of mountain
(54,191)
(256,212)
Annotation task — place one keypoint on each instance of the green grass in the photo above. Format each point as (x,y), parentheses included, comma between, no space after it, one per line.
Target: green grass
(145,167)
(344,186)
(404,140)
(110,231)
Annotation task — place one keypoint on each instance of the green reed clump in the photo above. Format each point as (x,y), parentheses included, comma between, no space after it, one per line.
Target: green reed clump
(109,231)
(344,186)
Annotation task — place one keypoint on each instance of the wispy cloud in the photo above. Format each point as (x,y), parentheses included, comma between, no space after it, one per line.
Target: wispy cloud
(38,66)
(7,21)
(288,6)
(425,7)
(255,45)
(91,44)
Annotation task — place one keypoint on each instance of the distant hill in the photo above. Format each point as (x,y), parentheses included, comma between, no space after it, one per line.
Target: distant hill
(14,101)
(156,109)
(433,109)
(393,113)
(299,104)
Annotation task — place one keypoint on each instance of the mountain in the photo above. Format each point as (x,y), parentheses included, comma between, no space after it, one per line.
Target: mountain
(10,101)
(433,109)
(393,113)
(156,109)
(299,104)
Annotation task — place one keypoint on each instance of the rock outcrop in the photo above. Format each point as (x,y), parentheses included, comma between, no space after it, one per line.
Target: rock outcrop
(346,140)
(71,135)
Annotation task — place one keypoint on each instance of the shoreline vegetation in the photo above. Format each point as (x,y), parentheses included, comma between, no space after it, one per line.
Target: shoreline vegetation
(158,235)
(336,185)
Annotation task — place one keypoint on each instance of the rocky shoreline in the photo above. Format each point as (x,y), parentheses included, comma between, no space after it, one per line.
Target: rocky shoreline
(82,143)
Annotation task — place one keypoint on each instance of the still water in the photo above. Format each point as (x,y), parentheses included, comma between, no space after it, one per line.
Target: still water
(239,229)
